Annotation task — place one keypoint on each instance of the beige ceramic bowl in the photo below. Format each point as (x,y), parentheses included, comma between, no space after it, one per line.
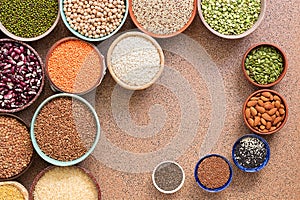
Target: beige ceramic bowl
(111,69)
(254,27)
(11,35)
(19,186)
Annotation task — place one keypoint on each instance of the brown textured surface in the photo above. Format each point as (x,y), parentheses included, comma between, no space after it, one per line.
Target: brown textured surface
(280,178)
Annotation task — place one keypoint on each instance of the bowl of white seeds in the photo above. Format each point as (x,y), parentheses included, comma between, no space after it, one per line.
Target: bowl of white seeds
(94,20)
(135,60)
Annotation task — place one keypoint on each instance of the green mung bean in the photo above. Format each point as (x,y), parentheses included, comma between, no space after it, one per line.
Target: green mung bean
(231,17)
(28,18)
(264,64)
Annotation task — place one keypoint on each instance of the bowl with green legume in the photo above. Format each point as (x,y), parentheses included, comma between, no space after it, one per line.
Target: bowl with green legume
(232,19)
(264,65)
(28,20)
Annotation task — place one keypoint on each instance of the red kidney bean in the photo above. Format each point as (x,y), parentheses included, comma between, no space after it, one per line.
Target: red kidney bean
(21,75)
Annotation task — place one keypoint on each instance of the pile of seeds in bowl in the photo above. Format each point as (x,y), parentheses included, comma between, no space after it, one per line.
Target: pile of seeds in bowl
(70,183)
(15,147)
(213,172)
(10,192)
(265,112)
(74,66)
(135,60)
(264,64)
(21,75)
(231,17)
(28,18)
(168,176)
(65,129)
(94,18)
(162,17)
(250,152)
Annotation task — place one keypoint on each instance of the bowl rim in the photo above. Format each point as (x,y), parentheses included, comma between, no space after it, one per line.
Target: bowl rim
(168,191)
(244,34)
(100,55)
(13,36)
(216,189)
(5,40)
(285,64)
(33,152)
(256,169)
(48,158)
(77,34)
(19,186)
(47,169)
(284,120)
(154,43)
(140,27)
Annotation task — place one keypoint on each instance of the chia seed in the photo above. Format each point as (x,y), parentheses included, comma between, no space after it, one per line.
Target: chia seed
(168,176)
(250,152)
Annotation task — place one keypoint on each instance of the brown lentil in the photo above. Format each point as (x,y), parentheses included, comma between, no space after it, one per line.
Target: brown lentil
(10,192)
(74,66)
(15,147)
(61,182)
(162,17)
(65,129)
(213,172)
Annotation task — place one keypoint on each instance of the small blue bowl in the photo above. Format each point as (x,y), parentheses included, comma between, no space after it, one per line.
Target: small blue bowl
(77,34)
(46,157)
(256,169)
(210,189)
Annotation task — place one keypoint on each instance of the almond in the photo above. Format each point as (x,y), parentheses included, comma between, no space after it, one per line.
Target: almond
(277,98)
(264,98)
(277,113)
(260,109)
(262,127)
(251,122)
(256,121)
(281,111)
(272,128)
(267,117)
(272,111)
(253,111)
(247,113)
(277,120)
(260,102)
(268,106)
(254,98)
(266,94)
(263,121)
(251,103)
(277,104)
(269,125)
(279,123)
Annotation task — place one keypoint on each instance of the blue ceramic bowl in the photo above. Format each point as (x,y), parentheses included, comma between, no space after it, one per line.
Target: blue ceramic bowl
(77,34)
(256,169)
(46,157)
(210,189)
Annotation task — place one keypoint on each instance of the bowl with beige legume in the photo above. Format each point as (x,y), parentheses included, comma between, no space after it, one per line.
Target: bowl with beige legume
(13,190)
(135,60)
(94,20)
(265,112)
(65,129)
(162,18)
(232,19)
(16,150)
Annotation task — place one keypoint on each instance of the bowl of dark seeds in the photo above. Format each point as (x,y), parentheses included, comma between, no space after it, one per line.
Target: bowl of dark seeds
(65,129)
(213,173)
(16,151)
(168,177)
(28,20)
(231,19)
(251,153)
(21,77)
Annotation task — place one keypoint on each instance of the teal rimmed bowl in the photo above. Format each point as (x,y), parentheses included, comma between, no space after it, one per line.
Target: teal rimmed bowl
(52,160)
(77,34)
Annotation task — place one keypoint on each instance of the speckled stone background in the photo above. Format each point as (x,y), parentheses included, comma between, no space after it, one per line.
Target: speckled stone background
(279,180)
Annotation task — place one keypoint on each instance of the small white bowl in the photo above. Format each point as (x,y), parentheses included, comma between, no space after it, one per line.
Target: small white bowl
(168,191)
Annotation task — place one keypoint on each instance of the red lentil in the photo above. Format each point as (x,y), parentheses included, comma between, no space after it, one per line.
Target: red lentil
(15,147)
(74,66)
